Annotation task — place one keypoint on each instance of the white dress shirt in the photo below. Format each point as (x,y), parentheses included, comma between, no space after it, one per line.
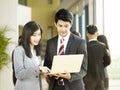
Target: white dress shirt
(64,42)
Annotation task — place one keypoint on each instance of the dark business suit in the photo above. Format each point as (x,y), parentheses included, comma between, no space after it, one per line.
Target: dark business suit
(98,58)
(75,45)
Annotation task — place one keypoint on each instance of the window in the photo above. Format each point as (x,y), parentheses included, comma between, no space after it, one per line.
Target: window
(23,2)
(50,30)
(50,1)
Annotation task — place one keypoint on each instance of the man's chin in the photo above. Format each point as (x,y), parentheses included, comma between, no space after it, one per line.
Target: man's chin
(63,35)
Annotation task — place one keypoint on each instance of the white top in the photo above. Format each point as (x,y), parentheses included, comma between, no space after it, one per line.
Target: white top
(36,57)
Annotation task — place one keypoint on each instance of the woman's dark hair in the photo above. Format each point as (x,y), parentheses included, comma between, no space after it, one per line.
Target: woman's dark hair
(64,15)
(76,33)
(28,31)
(19,39)
(103,39)
(91,29)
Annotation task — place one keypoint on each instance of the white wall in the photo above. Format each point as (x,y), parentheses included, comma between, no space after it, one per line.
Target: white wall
(8,16)
(12,15)
(24,14)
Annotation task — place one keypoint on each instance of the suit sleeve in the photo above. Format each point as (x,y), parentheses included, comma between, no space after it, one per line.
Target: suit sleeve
(21,71)
(106,58)
(81,50)
(48,56)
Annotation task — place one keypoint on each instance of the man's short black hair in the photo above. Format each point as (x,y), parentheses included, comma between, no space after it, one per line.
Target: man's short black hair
(65,15)
(91,29)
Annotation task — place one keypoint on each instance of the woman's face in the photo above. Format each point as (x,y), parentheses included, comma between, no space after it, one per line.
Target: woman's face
(35,38)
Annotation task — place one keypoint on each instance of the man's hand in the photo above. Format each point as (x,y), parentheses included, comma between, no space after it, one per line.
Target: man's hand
(65,75)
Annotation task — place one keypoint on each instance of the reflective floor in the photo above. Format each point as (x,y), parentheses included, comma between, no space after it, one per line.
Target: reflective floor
(114,85)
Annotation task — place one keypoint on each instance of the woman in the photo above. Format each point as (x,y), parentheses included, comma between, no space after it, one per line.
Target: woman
(103,39)
(27,60)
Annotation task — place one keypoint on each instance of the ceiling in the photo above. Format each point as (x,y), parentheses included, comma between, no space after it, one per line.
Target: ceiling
(76,6)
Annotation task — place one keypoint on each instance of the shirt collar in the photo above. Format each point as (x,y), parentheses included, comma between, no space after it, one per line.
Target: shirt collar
(65,38)
(92,40)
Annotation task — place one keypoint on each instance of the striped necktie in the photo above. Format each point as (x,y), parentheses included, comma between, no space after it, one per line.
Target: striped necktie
(61,49)
(61,52)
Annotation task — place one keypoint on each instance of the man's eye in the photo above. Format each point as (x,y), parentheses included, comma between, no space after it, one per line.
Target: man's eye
(34,34)
(39,34)
(60,25)
(66,26)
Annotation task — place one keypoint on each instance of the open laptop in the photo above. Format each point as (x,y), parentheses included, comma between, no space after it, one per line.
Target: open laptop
(69,63)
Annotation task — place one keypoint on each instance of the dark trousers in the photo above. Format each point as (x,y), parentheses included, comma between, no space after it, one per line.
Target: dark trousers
(58,86)
(93,84)
(106,83)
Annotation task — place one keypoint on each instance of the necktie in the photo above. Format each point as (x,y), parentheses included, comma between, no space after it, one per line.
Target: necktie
(61,52)
(61,49)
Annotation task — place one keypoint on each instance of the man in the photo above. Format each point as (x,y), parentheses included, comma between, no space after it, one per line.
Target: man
(98,58)
(72,45)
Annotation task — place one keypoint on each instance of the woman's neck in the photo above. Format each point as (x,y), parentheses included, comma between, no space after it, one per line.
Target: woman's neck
(31,47)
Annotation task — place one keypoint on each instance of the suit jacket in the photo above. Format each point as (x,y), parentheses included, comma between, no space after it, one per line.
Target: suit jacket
(26,71)
(98,58)
(75,45)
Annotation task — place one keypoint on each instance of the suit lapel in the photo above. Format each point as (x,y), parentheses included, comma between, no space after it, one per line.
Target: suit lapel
(70,41)
(55,43)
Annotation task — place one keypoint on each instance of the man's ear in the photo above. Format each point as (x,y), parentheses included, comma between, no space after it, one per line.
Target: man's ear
(87,34)
(97,33)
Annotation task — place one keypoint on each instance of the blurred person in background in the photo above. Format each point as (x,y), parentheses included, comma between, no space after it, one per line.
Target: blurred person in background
(76,33)
(98,59)
(103,39)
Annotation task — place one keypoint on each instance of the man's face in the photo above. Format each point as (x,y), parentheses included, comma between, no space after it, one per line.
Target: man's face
(63,27)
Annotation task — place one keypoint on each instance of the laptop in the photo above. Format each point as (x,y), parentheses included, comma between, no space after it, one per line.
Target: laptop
(69,63)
